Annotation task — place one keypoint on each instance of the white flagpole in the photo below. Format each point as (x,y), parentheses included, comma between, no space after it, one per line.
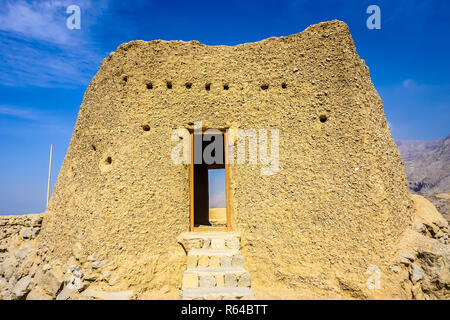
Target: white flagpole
(49,173)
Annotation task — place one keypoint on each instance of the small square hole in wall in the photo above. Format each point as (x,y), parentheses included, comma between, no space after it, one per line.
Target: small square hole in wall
(169,84)
(226,87)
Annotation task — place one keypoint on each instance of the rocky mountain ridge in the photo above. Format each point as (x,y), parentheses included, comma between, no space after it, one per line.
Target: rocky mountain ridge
(427,165)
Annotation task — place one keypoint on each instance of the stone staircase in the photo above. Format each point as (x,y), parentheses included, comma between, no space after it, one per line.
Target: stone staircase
(215,266)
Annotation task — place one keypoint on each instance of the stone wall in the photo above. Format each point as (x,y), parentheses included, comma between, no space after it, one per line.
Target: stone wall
(18,254)
(14,228)
(27,272)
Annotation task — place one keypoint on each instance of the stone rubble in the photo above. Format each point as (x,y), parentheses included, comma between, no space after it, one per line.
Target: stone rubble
(25,272)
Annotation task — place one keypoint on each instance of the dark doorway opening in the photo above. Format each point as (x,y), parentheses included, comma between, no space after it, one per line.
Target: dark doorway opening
(209,156)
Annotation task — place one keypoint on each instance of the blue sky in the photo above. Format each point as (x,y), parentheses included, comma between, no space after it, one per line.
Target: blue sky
(45,67)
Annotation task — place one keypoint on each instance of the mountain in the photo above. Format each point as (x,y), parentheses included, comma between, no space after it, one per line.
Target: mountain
(427,165)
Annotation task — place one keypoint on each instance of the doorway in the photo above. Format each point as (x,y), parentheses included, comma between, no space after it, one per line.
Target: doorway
(209,208)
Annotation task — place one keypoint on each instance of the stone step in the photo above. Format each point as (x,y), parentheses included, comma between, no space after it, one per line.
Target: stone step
(207,258)
(213,252)
(215,266)
(210,240)
(202,294)
(210,235)
(200,278)
(207,271)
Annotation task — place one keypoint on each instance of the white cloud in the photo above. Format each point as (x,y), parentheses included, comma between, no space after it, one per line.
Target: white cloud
(36,20)
(33,120)
(409,83)
(18,112)
(37,48)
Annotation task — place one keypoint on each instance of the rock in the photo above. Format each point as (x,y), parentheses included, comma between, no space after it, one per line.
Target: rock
(393,269)
(75,284)
(50,283)
(191,261)
(406,258)
(230,280)
(244,280)
(217,243)
(4,292)
(93,257)
(113,280)
(26,233)
(206,243)
(233,243)
(77,251)
(38,294)
(225,262)
(214,262)
(238,261)
(415,273)
(436,268)
(112,266)
(90,275)
(427,214)
(66,293)
(417,292)
(22,287)
(8,267)
(11,284)
(36,219)
(76,271)
(34,232)
(74,279)
(103,295)
(220,282)
(99,264)
(23,251)
(207,282)
(106,275)
(420,227)
(203,262)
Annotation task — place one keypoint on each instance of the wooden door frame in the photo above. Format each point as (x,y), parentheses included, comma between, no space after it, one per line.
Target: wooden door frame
(191,185)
